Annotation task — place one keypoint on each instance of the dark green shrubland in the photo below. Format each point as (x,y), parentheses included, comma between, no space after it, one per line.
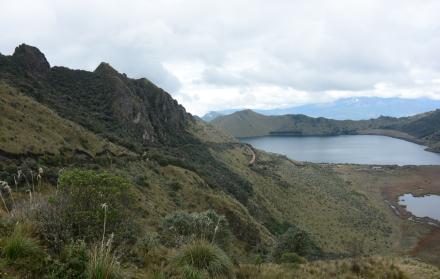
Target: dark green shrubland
(294,242)
(76,211)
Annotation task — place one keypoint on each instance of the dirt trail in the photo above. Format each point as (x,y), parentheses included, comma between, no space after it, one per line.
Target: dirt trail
(254,157)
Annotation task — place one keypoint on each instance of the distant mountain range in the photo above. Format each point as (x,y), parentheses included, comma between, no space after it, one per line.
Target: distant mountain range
(350,108)
(421,128)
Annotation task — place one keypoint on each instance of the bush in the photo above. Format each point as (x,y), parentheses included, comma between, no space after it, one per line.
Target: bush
(295,241)
(204,258)
(181,228)
(72,262)
(76,212)
(291,257)
(23,253)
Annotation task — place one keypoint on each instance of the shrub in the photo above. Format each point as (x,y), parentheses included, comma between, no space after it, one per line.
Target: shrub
(72,262)
(205,258)
(258,260)
(76,212)
(295,241)
(23,253)
(181,227)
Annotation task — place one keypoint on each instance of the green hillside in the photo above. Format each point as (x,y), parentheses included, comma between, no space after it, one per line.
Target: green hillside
(104,169)
(27,127)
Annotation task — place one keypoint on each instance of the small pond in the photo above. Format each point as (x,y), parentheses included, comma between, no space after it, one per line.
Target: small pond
(424,206)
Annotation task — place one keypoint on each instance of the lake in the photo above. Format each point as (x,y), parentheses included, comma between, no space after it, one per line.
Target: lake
(356,149)
(425,206)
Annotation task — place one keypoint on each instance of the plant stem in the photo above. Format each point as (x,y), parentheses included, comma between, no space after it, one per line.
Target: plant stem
(105,223)
(215,231)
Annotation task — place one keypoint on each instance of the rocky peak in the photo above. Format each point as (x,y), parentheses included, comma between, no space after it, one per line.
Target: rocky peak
(134,111)
(106,69)
(31,59)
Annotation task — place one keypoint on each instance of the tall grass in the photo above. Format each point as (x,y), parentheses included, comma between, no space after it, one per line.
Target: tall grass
(204,257)
(19,245)
(102,263)
(23,253)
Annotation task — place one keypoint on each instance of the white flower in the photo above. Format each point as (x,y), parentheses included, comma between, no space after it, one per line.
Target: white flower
(7,188)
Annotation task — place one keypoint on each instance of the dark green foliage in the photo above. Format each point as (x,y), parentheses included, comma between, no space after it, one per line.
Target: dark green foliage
(181,227)
(195,157)
(258,260)
(204,257)
(297,241)
(76,212)
(72,262)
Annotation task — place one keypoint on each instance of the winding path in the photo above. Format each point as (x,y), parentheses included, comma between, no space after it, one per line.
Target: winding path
(254,157)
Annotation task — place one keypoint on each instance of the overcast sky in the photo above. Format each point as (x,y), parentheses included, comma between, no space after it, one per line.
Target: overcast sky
(213,55)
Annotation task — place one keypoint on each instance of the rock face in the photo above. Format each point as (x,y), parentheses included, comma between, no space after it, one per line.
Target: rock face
(31,59)
(104,101)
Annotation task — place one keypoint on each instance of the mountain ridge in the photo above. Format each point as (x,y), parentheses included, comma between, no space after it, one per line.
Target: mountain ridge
(423,128)
(123,106)
(353,108)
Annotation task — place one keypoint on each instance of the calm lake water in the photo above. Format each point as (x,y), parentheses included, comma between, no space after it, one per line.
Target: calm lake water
(425,206)
(357,149)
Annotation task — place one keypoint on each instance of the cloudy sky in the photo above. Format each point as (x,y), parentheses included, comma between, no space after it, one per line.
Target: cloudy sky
(213,55)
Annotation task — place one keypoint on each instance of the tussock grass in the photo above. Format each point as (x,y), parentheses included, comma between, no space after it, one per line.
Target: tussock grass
(19,245)
(103,264)
(203,257)
(23,253)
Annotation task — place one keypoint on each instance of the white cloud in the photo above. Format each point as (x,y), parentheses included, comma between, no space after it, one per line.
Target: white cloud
(244,53)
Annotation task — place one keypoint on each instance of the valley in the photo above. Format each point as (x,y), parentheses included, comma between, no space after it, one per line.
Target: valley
(96,162)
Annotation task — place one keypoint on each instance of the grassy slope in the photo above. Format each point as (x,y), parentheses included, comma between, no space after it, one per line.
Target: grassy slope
(313,197)
(372,267)
(29,127)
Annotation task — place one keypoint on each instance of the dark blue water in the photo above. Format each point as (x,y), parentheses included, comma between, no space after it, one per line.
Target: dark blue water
(425,206)
(362,149)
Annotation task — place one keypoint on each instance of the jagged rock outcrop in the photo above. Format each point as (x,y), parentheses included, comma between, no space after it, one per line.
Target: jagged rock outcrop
(104,101)
(31,59)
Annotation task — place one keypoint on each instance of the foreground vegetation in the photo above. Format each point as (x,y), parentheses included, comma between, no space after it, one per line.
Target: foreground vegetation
(61,233)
